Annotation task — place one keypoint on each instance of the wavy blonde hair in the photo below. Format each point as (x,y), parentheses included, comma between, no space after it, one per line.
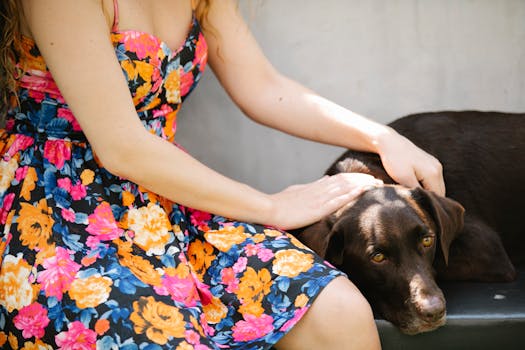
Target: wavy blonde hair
(10,39)
(10,34)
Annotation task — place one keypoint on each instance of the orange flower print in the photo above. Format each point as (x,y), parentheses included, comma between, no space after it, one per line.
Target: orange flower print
(141,92)
(87,176)
(172,86)
(35,225)
(37,345)
(291,262)
(272,233)
(140,267)
(91,291)
(200,256)
(3,338)
(29,183)
(297,243)
(227,237)
(170,126)
(13,341)
(15,290)
(127,198)
(215,311)
(253,286)
(159,321)
(151,227)
(7,173)
(301,300)
(184,346)
(102,326)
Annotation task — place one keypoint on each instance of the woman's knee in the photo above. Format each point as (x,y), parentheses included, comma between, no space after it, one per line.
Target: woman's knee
(340,316)
(343,299)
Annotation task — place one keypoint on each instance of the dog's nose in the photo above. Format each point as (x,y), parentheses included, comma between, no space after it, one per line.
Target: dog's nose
(432,308)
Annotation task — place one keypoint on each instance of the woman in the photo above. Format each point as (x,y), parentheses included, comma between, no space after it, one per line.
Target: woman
(108,240)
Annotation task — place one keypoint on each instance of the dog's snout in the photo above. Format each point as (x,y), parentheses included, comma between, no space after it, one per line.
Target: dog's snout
(431,308)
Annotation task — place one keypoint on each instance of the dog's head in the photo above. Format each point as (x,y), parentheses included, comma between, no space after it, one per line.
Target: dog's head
(386,241)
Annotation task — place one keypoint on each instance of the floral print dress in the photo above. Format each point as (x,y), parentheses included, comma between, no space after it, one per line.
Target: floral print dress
(89,260)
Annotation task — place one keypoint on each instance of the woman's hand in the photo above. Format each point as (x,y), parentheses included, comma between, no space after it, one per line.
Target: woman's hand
(409,165)
(301,205)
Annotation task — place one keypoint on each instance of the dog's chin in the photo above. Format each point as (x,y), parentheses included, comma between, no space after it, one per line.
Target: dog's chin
(417,325)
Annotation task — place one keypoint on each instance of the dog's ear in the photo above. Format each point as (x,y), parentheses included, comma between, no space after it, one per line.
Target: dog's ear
(447,214)
(320,238)
(366,163)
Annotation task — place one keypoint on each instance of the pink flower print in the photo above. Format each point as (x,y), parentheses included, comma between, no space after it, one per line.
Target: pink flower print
(21,173)
(296,317)
(68,215)
(78,337)
(66,114)
(64,183)
(57,152)
(102,223)
(210,331)
(186,81)
(156,78)
(142,44)
(162,111)
(181,290)
(32,320)
(265,254)
(8,202)
(229,279)
(37,96)
(192,337)
(38,83)
(250,249)
(200,219)
(201,347)
(21,143)
(9,124)
(78,191)
(204,292)
(201,53)
(240,265)
(59,273)
(252,327)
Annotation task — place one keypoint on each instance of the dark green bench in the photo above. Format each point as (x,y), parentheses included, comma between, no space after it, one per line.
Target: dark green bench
(480,316)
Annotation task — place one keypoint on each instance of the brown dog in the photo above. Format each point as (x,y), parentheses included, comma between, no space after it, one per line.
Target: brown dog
(393,241)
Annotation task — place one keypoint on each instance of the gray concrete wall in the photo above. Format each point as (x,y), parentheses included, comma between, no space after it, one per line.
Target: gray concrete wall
(380,58)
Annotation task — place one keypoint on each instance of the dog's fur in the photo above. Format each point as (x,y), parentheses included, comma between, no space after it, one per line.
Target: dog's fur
(421,234)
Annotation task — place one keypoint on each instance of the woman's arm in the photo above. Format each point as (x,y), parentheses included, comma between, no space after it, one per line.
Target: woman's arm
(276,101)
(73,38)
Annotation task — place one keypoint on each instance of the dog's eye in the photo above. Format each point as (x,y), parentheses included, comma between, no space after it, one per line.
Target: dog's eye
(428,241)
(378,257)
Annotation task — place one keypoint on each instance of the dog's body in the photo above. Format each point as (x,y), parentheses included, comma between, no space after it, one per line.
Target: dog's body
(392,240)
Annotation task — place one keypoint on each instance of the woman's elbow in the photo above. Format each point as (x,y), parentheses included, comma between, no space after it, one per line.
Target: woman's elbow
(118,158)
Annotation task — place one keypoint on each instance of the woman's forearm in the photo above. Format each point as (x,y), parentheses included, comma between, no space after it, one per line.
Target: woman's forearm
(163,168)
(285,105)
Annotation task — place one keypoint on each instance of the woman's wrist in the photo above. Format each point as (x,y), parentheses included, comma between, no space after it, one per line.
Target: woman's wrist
(378,137)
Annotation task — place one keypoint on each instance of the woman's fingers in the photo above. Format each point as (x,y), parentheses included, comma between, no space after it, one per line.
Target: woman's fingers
(301,205)
(432,177)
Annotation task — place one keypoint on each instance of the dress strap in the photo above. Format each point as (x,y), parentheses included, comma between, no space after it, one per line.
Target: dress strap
(115,16)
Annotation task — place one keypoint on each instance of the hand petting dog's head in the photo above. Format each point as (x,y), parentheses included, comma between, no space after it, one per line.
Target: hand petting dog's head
(386,241)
